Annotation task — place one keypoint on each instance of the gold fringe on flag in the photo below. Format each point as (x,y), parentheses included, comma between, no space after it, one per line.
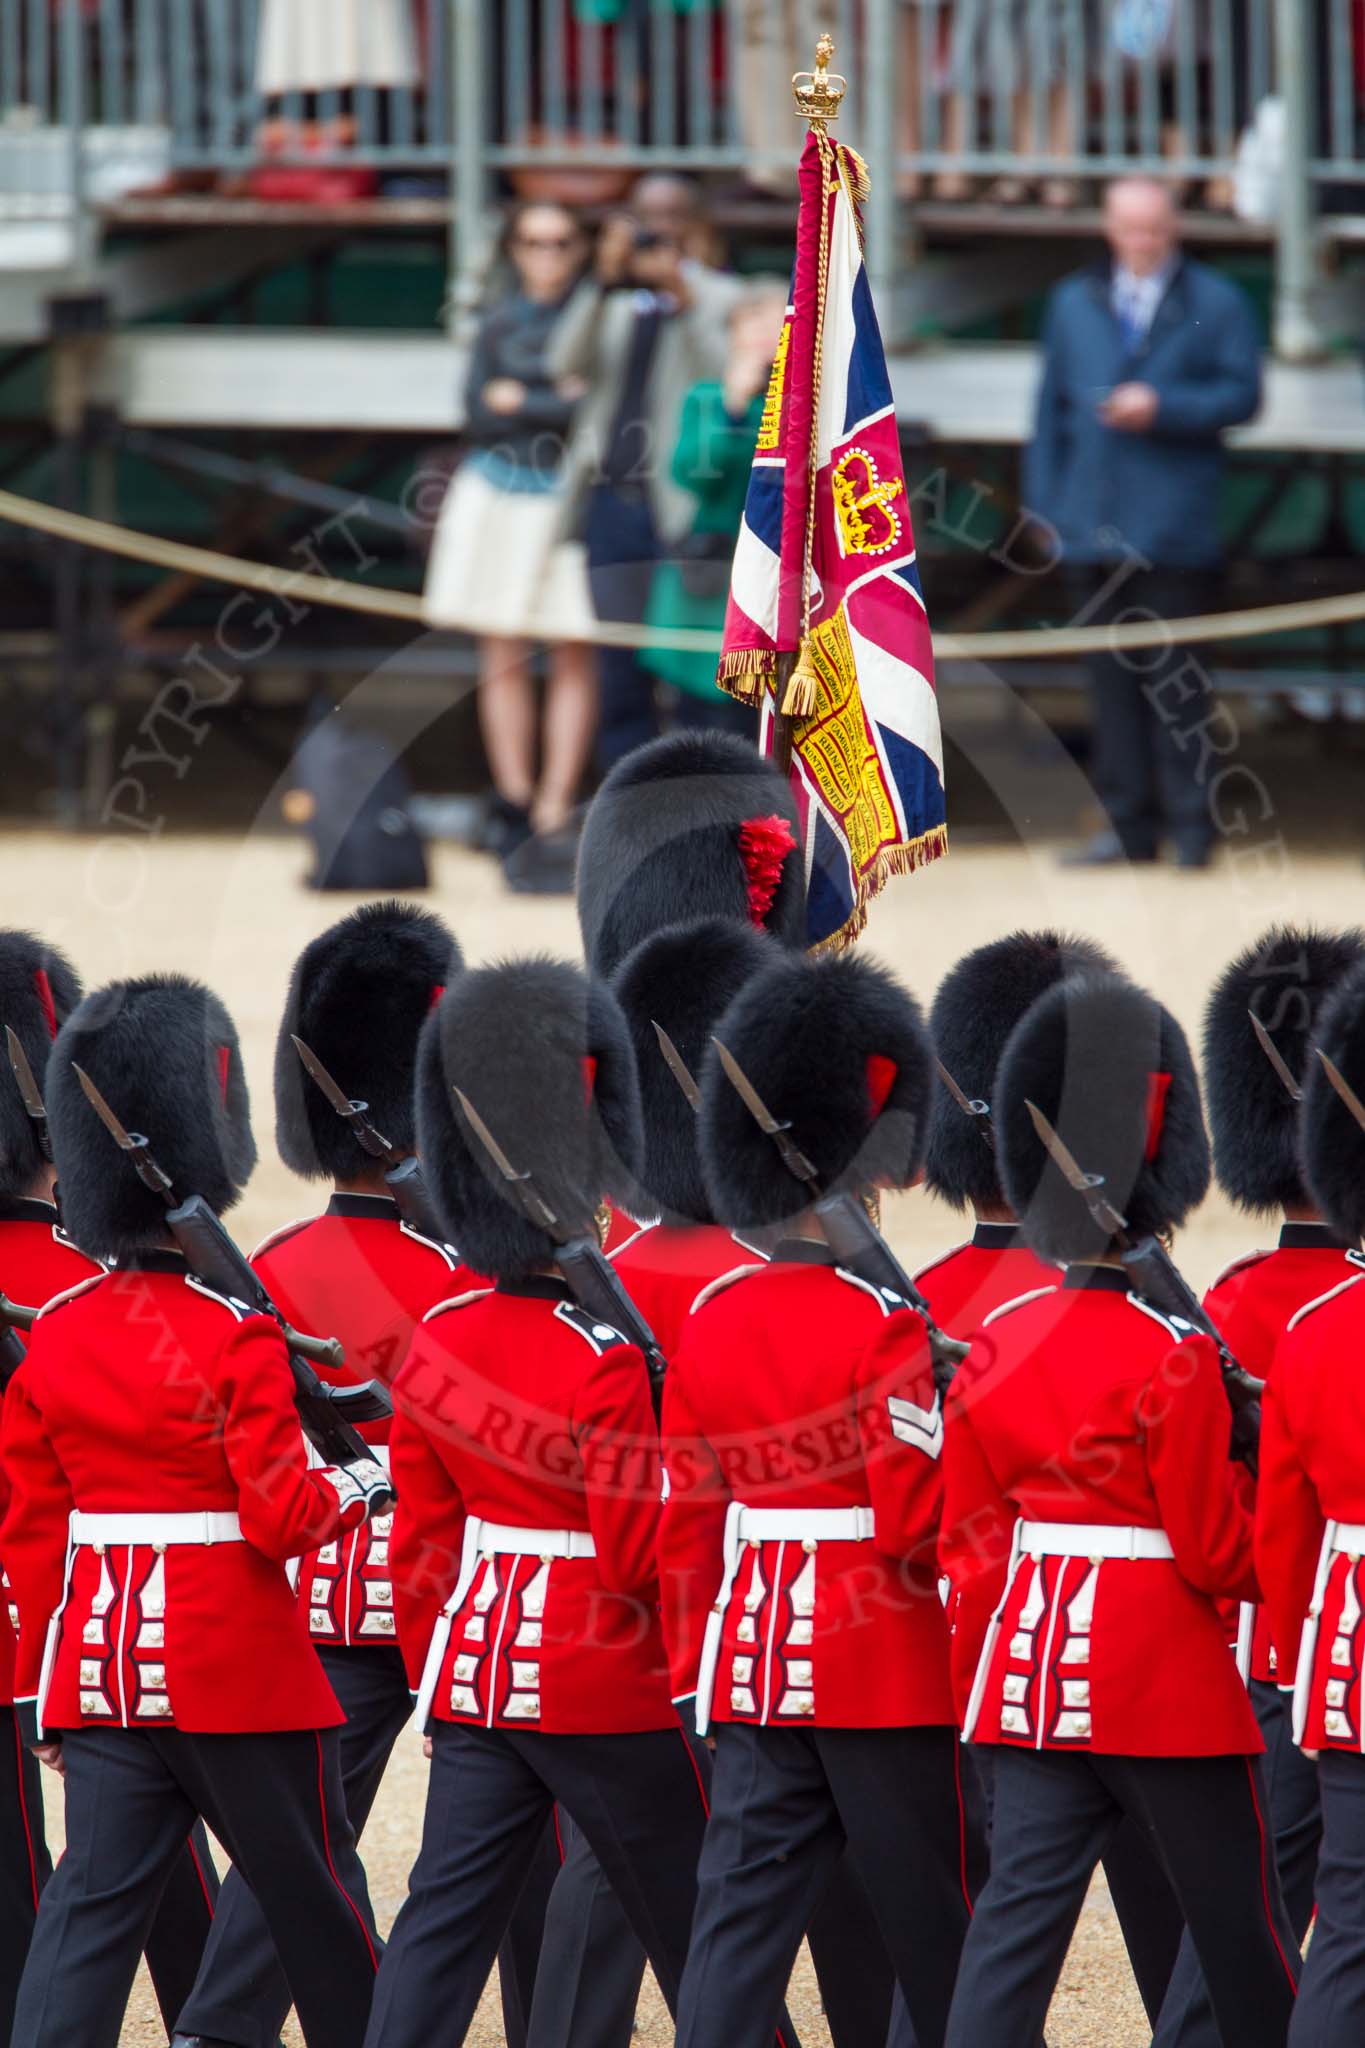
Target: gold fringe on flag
(893,860)
(746,673)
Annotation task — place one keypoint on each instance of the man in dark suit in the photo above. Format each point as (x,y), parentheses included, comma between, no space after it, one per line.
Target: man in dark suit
(1147,360)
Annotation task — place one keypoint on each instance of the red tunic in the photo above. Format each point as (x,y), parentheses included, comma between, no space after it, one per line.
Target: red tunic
(515,1407)
(1081,1406)
(799,1387)
(143,1393)
(1252,1304)
(357,1272)
(970,1282)
(36,1262)
(1313,1472)
(665,1267)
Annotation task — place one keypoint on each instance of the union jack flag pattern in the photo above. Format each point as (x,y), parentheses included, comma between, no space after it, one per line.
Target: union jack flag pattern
(828,513)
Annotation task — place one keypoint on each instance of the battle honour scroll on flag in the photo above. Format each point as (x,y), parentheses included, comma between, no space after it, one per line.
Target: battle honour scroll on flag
(825,569)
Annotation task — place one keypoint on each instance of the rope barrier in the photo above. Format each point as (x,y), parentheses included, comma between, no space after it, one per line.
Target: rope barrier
(1032,644)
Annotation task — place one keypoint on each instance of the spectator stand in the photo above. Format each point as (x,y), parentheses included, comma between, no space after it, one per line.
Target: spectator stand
(181,257)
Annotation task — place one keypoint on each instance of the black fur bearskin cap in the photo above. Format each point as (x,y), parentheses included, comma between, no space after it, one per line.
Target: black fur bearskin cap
(696,824)
(543,1054)
(1284,980)
(1112,1071)
(39,988)
(684,978)
(358,997)
(163,1052)
(1332,1141)
(978,1004)
(838,1049)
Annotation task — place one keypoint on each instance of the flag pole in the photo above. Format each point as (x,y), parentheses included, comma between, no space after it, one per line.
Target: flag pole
(817,97)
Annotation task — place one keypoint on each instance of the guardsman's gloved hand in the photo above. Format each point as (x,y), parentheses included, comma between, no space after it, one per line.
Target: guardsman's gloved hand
(364,1480)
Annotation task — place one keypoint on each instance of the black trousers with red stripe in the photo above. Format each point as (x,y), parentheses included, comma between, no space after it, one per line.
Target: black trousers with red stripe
(132,1795)
(785,1804)
(637,1799)
(1055,1814)
(183,1918)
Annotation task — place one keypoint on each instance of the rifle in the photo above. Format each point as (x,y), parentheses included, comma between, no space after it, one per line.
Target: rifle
(1158,1281)
(13,1318)
(593,1280)
(402,1170)
(327,1414)
(852,1236)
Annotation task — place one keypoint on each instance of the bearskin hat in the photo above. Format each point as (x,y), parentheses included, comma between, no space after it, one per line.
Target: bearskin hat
(683,978)
(978,1004)
(1112,1072)
(837,1050)
(358,997)
(163,1052)
(1283,980)
(1332,1141)
(696,824)
(39,989)
(543,1054)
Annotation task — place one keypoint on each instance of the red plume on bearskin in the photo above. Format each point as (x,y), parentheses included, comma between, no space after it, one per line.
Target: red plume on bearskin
(683,978)
(359,995)
(1112,1071)
(837,1049)
(691,825)
(1332,1141)
(1283,979)
(978,1004)
(520,1040)
(156,1049)
(39,988)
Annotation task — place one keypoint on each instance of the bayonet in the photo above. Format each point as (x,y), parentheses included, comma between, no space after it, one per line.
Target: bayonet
(402,1170)
(134,1143)
(1158,1280)
(677,1066)
(970,1105)
(1276,1058)
(853,1237)
(793,1158)
(594,1282)
(1343,1088)
(29,1089)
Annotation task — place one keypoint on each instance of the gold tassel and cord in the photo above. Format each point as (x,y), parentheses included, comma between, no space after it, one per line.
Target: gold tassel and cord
(803,685)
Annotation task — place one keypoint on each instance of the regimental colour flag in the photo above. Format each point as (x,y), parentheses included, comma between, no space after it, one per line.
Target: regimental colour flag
(825,568)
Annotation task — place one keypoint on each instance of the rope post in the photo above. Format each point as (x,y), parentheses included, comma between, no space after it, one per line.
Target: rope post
(468,88)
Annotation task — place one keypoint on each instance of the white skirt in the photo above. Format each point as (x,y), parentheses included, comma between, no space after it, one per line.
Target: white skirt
(328,45)
(498,565)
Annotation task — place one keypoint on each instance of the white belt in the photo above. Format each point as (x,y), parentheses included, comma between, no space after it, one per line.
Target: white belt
(1097,1540)
(205,1526)
(1091,1539)
(1338,1539)
(767,1525)
(486,1540)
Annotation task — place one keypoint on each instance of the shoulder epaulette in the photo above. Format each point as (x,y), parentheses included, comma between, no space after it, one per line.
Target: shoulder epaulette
(941,1260)
(888,1299)
(286,1230)
(641,1230)
(433,1244)
(1020,1301)
(441,1308)
(724,1280)
(1242,1265)
(239,1309)
(601,1336)
(1321,1300)
(72,1293)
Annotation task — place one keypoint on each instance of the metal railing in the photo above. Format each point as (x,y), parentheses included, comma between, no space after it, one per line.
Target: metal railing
(101,96)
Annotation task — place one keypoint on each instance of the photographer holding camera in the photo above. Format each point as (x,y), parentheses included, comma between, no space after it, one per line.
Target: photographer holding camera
(649,323)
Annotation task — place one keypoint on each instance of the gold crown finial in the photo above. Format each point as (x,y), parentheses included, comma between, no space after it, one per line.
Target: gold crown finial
(818,93)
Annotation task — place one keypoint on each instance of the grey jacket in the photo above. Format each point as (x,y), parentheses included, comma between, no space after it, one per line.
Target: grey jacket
(592,341)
